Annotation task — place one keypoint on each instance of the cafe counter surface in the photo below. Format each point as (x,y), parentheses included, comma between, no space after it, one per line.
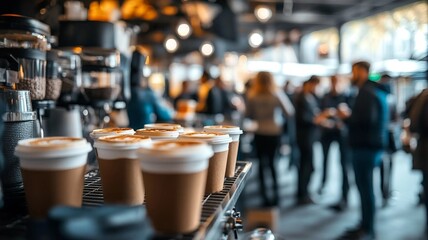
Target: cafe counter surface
(218,217)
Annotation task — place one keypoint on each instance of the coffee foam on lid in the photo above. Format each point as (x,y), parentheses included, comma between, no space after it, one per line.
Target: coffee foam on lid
(211,137)
(111,131)
(224,129)
(52,143)
(121,142)
(174,145)
(164,126)
(172,156)
(52,153)
(176,148)
(156,132)
(124,139)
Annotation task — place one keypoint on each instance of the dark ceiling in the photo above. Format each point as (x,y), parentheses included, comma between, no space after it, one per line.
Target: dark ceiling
(302,15)
(233,22)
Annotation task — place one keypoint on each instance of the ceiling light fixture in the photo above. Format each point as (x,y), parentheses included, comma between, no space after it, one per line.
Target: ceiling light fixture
(255,39)
(183,29)
(263,13)
(207,49)
(171,44)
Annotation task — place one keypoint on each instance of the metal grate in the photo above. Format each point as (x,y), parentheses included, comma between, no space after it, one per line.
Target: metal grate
(213,205)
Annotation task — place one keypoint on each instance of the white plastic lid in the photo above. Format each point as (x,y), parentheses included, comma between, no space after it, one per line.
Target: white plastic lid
(168,126)
(233,131)
(97,133)
(172,156)
(156,133)
(52,153)
(122,141)
(219,141)
(120,146)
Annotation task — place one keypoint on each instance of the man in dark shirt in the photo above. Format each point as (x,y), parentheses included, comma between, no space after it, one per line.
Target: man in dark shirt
(335,130)
(368,137)
(418,114)
(307,134)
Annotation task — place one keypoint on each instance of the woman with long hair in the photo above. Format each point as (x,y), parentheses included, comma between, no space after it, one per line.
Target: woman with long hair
(267,105)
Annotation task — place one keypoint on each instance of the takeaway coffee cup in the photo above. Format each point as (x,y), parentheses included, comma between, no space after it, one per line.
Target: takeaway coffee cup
(102,132)
(174,175)
(217,163)
(234,132)
(120,169)
(169,126)
(53,170)
(158,134)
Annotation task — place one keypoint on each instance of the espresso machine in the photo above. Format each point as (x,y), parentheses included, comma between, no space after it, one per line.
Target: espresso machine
(23,46)
(105,82)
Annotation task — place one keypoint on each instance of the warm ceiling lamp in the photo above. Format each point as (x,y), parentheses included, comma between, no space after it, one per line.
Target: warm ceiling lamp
(207,49)
(171,44)
(263,13)
(170,10)
(255,39)
(184,30)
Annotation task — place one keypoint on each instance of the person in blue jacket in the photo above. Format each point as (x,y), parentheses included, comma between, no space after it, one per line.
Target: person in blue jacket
(368,138)
(146,107)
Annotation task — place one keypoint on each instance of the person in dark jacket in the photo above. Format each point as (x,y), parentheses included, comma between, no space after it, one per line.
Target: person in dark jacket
(368,138)
(335,131)
(394,141)
(418,114)
(307,120)
(209,100)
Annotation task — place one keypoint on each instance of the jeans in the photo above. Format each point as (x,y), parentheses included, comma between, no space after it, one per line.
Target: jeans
(386,175)
(306,166)
(364,161)
(326,142)
(267,148)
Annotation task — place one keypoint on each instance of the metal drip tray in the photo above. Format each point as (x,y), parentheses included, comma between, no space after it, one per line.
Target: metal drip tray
(212,217)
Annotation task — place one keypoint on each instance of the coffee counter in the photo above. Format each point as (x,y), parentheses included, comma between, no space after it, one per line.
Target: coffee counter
(218,215)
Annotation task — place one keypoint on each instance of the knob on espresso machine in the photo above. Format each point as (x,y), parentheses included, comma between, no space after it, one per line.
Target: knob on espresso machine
(233,223)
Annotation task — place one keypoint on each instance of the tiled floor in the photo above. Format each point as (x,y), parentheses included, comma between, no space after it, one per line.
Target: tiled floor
(402,219)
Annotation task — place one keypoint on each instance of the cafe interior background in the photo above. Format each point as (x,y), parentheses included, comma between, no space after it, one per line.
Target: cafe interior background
(293,39)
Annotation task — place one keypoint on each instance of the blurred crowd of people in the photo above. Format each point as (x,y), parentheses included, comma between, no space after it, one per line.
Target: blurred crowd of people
(363,121)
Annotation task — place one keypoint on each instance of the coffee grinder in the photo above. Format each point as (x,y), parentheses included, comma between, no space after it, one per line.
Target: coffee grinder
(63,82)
(103,81)
(23,45)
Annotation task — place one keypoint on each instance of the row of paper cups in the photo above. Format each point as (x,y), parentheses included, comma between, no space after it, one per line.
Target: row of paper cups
(178,169)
